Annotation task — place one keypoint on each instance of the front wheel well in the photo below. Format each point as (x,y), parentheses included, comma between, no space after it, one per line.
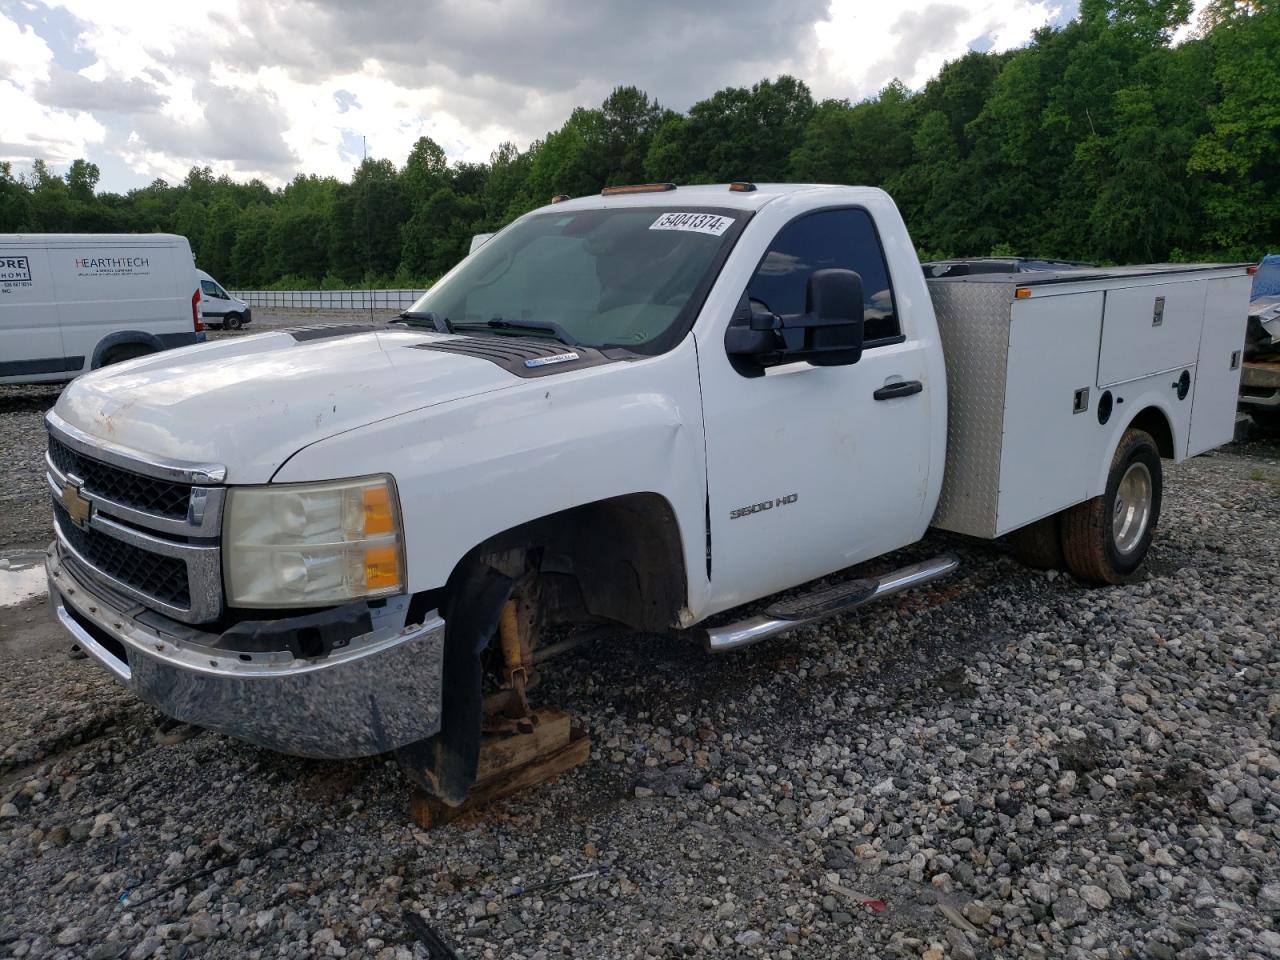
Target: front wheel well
(123,345)
(1153,421)
(623,557)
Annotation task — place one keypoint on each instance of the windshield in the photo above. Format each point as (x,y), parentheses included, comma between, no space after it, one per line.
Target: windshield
(622,277)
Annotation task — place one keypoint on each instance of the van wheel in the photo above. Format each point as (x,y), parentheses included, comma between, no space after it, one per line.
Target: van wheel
(231,321)
(1106,539)
(1039,545)
(129,351)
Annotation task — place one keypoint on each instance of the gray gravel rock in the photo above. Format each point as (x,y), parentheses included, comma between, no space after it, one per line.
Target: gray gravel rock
(1012,766)
(1070,911)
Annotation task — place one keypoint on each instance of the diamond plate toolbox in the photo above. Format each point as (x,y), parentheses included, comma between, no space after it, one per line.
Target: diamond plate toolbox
(973,320)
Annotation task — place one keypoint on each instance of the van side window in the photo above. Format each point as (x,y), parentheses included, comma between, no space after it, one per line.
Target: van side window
(830,238)
(209,288)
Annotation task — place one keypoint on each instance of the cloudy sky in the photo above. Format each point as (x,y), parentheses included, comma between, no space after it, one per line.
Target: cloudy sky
(269,88)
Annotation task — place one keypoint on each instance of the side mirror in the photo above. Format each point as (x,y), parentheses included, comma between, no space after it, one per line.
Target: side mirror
(829,332)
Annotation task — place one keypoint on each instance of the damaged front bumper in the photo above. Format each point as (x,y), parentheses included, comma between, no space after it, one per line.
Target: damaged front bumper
(378,692)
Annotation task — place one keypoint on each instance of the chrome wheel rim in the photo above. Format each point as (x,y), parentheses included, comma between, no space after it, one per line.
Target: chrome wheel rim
(1132,511)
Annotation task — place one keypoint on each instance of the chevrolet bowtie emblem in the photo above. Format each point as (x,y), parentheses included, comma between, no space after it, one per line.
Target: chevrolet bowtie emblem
(76,505)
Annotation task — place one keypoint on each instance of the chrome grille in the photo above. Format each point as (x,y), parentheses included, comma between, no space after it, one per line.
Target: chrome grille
(164,578)
(148,494)
(147,528)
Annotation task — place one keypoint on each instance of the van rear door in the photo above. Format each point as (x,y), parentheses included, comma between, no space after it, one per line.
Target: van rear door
(30,338)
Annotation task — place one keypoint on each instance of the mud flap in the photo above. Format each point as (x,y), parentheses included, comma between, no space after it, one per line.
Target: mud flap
(444,765)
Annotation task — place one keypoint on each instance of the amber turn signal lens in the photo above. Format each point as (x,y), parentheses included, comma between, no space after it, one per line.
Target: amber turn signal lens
(377,511)
(1022,293)
(381,568)
(637,188)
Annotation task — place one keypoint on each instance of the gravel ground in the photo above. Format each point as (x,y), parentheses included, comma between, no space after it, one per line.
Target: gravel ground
(1011,765)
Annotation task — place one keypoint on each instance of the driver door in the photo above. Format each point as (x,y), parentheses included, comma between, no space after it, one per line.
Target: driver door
(812,469)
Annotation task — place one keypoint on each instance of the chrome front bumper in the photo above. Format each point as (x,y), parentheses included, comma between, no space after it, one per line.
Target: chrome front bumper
(379,692)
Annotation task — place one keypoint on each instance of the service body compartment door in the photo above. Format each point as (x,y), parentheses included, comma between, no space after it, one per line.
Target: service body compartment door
(1150,328)
(1217,374)
(1052,441)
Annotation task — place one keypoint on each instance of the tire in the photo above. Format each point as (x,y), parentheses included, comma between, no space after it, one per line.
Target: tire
(1039,545)
(231,321)
(1106,539)
(130,351)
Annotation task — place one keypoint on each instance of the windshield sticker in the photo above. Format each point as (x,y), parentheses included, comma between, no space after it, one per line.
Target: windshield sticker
(710,223)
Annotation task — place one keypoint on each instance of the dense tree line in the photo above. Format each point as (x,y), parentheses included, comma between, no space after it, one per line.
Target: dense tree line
(1099,140)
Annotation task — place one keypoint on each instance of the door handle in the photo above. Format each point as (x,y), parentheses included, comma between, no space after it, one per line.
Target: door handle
(904,388)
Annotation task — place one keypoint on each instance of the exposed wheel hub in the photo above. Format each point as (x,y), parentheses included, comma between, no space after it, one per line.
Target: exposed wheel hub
(1132,511)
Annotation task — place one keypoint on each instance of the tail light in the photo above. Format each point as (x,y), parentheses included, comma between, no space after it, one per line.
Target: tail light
(196,323)
(1253,270)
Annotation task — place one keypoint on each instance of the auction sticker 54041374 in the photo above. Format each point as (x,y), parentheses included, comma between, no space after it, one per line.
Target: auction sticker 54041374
(711,223)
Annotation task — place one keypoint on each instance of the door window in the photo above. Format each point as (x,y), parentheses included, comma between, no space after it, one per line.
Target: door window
(210,289)
(844,238)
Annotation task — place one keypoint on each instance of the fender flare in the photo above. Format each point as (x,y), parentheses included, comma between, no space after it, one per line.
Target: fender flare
(120,338)
(1152,407)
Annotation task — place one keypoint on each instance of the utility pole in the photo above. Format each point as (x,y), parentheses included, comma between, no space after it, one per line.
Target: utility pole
(368,222)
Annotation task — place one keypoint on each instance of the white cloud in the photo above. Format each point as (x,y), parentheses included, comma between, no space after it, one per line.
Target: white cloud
(31,129)
(865,45)
(24,56)
(248,88)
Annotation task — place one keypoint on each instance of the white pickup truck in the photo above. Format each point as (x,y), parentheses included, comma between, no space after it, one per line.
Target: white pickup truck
(647,407)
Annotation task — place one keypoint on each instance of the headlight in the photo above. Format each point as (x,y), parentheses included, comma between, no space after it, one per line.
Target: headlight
(308,544)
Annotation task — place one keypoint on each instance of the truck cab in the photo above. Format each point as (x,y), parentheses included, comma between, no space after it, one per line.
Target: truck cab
(646,407)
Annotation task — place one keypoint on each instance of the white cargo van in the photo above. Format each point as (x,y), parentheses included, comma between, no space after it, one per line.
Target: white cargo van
(74,302)
(219,308)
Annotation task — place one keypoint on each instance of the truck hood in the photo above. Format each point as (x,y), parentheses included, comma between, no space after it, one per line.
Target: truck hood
(250,403)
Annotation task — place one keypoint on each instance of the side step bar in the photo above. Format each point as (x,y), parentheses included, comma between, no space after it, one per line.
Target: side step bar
(734,636)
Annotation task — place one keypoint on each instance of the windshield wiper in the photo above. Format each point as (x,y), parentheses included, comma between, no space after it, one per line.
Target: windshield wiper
(438,323)
(540,326)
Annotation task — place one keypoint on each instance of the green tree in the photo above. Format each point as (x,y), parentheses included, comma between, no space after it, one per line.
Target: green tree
(629,119)
(15,201)
(364,223)
(569,161)
(249,267)
(438,235)
(736,134)
(1240,153)
(867,143)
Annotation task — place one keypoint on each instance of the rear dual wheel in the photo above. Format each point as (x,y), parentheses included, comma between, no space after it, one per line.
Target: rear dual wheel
(1106,539)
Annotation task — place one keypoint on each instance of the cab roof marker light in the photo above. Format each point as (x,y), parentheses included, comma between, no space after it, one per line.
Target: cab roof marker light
(742,186)
(637,188)
(560,198)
